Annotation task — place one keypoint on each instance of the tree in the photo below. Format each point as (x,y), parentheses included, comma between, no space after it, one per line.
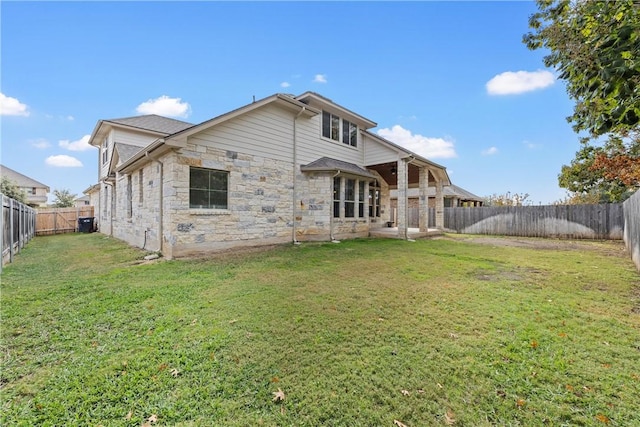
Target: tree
(595,47)
(507,199)
(64,198)
(11,189)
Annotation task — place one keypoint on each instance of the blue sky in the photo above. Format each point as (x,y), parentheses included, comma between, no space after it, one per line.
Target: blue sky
(449,80)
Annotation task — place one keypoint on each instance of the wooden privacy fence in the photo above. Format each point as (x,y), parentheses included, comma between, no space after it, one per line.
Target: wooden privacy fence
(18,227)
(60,220)
(632,227)
(605,221)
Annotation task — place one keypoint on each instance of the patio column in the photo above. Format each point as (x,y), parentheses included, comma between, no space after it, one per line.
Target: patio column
(403,184)
(439,206)
(423,200)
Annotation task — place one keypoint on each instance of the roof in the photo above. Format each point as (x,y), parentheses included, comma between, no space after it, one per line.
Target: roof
(19,179)
(462,193)
(154,123)
(126,151)
(327,164)
(447,191)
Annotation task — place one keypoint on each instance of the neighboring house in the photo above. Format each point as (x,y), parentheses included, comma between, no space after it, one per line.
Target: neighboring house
(93,193)
(37,192)
(454,197)
(82,201)
(282,169)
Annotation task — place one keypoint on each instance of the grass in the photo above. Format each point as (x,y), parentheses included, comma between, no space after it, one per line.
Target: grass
(362,333)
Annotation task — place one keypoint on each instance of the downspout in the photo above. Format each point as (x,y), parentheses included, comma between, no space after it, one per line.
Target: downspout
(331,210)
(295,172)
(161,204)
(110,184)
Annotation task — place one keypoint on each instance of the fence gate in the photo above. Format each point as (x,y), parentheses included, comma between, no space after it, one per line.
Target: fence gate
(60,220)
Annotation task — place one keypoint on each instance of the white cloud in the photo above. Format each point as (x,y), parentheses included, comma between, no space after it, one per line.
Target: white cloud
(70,118)
(490,151)
(63,161)
(419,144)
(165,106)
(320,78)
(80,145)
(40,143)
(512,83)
(12,107)
(285,84)
(531,145)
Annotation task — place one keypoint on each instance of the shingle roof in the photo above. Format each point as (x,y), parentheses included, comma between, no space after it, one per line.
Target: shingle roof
(329,164)
(20,179)
(154,123)
(126,151)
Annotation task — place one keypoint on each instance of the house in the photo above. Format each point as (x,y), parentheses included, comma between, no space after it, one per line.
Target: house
(37,192)
(82,201)
(281,169)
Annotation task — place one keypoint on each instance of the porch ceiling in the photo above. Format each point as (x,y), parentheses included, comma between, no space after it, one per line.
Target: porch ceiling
(388,171)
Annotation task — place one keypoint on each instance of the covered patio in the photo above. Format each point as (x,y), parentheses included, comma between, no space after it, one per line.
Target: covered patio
(413,172)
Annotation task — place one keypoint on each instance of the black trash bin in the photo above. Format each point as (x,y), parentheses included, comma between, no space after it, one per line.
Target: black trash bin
(85,224)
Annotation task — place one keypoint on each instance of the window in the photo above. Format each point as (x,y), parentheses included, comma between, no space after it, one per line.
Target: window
(106,200)
(140,185)
(339,130)
(129,197)
(374,200)
(349,198)
(361,199)
(336,197)
(208,188)
(104,150)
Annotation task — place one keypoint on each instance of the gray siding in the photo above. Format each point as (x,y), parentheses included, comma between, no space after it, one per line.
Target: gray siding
(376,153)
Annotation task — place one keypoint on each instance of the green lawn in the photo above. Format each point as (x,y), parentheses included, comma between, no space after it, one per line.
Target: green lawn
(361,333)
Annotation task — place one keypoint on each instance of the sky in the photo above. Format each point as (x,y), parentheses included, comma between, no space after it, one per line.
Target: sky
(451,81)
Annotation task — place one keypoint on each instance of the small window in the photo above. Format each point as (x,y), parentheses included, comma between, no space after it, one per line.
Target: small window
(104,150)
(140,185)
(361,186)
(129,197)
(349,198)
(208,188)
(336,197)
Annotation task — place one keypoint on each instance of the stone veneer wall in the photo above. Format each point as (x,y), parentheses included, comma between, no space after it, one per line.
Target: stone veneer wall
(259,203)
(142,227)
(259,211)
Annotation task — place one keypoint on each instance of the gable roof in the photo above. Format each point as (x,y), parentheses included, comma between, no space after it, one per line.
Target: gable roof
(19,179)
(154,123)
(327,164)
(126,151)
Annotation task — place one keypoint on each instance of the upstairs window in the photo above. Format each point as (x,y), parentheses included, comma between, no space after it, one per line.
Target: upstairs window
(104,151)
(339,130)
(208,188)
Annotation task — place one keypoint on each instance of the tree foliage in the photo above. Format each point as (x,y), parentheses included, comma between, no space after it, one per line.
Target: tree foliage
(64,198)
(595,47)
(11,189)
(507,199)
